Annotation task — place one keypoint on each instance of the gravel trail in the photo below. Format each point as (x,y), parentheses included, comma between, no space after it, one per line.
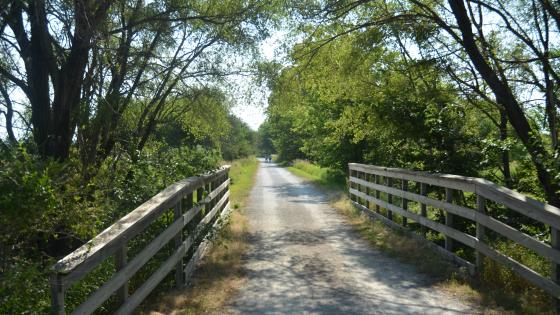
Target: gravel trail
(305,260)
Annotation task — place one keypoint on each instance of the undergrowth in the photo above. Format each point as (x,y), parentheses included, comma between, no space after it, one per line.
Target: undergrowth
(324,177)
(48,209)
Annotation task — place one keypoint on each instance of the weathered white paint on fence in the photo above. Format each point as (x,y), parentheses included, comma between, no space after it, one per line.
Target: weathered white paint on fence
(113,242)
(360,176)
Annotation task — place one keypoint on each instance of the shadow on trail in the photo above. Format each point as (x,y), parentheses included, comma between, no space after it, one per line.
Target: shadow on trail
(305,259)
(298,193)
(315,278)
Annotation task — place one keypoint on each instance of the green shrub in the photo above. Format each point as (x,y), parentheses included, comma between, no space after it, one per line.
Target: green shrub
(24,289)
(48,209)
(505,283)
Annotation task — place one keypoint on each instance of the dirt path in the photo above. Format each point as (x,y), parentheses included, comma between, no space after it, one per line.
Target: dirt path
(305,260)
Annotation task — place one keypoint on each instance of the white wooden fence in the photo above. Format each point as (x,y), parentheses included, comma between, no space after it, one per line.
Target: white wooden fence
(205,197)
(367,184)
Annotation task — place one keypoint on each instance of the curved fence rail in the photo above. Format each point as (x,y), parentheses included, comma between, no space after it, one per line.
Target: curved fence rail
(382,192)
(199,200)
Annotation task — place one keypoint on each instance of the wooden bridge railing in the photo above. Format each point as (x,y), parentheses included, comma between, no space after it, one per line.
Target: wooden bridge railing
(367,183)
(203,197)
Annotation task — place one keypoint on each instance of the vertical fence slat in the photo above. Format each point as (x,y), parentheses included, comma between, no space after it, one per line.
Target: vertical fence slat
(221,194)
(57,295)
(423,207)
(359,188)
(377,193)
(351,184)
(193,227)
(227,188)
(187,204)
(120,263)
(362,176)
(355,198)
(199,198)
(449,219)
(404,201)
(179,274)
(480,207)
(389,198)
(208,189)
(368,190)
(215,184)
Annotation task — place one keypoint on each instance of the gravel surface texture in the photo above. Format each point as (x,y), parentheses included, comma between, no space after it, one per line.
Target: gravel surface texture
(304,259)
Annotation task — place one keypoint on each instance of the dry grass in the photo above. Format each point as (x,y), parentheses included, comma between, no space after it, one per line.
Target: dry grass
(447,277)
(490,295)
(217,278)
(220,272)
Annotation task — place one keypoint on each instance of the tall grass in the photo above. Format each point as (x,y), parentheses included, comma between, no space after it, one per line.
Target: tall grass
(324,177)
(242,174)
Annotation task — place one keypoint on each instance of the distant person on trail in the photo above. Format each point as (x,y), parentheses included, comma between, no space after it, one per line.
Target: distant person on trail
(268,158)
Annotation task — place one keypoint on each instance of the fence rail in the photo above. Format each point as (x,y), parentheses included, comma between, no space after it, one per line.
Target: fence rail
(204,197)
(368,182)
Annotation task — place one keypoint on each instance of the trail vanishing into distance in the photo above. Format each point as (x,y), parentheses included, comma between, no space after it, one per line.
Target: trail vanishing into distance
(305,259)
(118,120)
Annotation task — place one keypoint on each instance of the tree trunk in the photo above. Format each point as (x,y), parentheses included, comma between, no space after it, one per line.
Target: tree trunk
(38,78)
(9,114)
(504,96)
(551,113)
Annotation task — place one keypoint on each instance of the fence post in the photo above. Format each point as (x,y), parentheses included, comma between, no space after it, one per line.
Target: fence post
(57,295)
(179,273)
(367,179)
(555,274)
(389,198)
(215,185)
(480,207)
(377,193)
(361,175)
(449,219)
(228,186)
(192,226)
(208,204)
(200,199)
(423,207)
(404,187)
(352,185)
(120,263)
(358,188)
(222,180)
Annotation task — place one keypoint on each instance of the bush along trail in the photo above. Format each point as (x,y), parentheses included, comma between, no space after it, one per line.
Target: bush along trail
(104,104)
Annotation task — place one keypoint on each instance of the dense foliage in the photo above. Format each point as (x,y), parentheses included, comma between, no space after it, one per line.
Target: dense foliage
(48,209)
(353,103)
(460,87)
(399,83)
(104,104)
